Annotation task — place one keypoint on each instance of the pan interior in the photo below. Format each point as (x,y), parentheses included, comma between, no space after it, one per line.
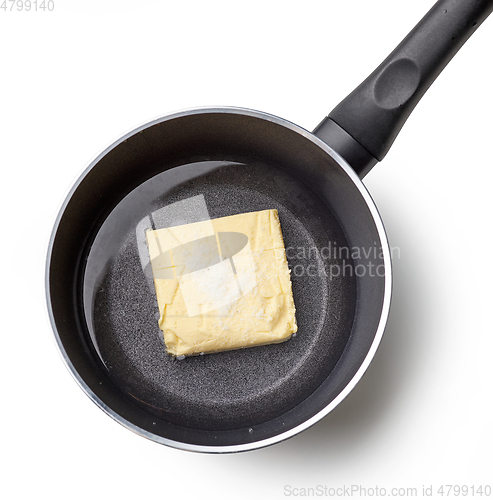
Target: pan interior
(228,390)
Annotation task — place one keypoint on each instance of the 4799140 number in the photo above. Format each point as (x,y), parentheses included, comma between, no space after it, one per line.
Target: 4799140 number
(27,5)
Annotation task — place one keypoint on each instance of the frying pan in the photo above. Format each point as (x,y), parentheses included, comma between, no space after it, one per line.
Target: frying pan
(230,160)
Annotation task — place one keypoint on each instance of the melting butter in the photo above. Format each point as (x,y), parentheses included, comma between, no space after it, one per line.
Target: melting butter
(222,284)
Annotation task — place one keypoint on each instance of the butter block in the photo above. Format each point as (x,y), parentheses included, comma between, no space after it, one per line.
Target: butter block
(222,284)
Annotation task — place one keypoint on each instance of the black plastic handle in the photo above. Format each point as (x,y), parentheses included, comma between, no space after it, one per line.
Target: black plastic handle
(365,124)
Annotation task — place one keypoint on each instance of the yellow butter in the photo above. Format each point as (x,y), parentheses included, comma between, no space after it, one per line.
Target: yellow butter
(222,284)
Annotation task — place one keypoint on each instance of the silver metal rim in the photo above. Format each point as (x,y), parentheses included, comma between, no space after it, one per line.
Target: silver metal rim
(380,329)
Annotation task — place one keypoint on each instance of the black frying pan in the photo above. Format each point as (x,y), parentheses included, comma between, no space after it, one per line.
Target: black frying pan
(101,300)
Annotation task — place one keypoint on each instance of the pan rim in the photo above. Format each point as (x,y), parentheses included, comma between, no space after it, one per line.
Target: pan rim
(385,303)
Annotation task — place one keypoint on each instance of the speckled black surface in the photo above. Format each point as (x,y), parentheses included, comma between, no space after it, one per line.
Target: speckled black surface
(231,389)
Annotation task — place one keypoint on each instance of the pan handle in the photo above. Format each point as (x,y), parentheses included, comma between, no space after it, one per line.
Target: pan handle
(365,124)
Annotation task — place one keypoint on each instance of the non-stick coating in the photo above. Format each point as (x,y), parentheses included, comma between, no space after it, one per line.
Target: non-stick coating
(232,389)
(104,312)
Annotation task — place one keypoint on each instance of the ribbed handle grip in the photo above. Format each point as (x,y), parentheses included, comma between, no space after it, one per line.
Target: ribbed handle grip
(374,113)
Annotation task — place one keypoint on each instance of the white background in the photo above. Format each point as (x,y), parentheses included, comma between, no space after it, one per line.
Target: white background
(75,79)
